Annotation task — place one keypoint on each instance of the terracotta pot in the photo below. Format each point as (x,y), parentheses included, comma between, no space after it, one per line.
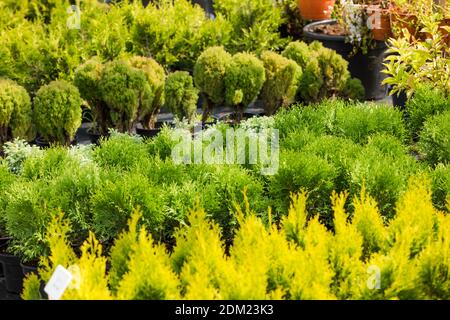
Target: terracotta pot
(379,22)
(316,9)
(401,20)
(445,33)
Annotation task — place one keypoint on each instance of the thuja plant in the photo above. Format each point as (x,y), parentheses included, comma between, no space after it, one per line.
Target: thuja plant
(244,79)
(325,73)
(124,89)
(57,112)
(297,259)
(150,105)
(283,77)
(87,78)
(15,112)
(181,95)
(209,74)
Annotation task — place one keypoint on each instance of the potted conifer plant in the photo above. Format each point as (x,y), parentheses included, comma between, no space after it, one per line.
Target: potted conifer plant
(57,112)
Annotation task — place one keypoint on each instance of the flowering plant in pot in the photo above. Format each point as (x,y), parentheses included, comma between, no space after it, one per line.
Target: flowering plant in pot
(365,21)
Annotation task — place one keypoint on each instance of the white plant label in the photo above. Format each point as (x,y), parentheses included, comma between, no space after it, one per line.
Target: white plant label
(58,283)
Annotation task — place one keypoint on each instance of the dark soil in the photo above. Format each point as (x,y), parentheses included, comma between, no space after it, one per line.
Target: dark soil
(331,29)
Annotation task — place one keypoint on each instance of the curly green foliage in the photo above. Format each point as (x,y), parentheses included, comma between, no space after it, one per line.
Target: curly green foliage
(426,102)
(209,73)
(155,75)
(116,198)
(124,89)
(181,95)
(441,186)
(176,32)
(299,52)
(255,24)
(87,77)
(244,79)
(358,121)
(303,171)
(325,72)
(435,139)
(57,112)
(15,111)
(282,78)
(353,89)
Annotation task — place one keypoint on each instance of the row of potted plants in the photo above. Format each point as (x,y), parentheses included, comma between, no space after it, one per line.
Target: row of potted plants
(127,94)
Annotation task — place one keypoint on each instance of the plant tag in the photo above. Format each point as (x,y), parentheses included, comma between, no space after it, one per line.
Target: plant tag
(58,283)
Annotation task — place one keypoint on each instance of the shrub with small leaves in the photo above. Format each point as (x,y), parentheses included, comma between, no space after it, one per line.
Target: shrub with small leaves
(124,89)
(57,112)
(244,79)
(117,196)
(15,112)
(434,141)
(209,75)
(325,73)
(87,79)
(152,103)
(282,79)
(181,95)
(426,102)
(441,187)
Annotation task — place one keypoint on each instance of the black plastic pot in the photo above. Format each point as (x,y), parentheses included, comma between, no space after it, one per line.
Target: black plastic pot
(11,276)
(365,67)
(399,100)
(148,133)
(42,143)
(26,269)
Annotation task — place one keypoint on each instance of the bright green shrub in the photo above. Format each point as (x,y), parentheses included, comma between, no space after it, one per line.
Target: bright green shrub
(334,69)
(87,79)
(384,177)
(120,151)
(353,90)
(441,186)
(296,259)
(359,121)
(176,45)
(162,144)
(15,112)
(434,141)
(325,73)
(27,219)
(47,164)
(255,24)
(124,89)
(426,102)
(337,151)
(155,77)
(6,179)
(282,80)
(303,171)
(106,29)
(318,119)
(117,196)
(209,75)
(181,95)
(388,145)
(57,112)
(34,54)
(244,79)
(225,189)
